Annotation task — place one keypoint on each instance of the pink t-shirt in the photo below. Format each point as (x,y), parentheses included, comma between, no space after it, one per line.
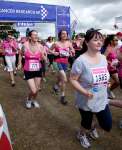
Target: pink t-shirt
(9,47)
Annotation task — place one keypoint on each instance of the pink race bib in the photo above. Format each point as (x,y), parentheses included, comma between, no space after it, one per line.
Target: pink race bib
(34,65)
(100,75)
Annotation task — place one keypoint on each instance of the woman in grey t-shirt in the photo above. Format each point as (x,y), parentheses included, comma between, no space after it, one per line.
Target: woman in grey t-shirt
(89,76)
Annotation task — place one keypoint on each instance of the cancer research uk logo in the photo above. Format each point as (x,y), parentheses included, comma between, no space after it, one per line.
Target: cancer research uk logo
(44,12)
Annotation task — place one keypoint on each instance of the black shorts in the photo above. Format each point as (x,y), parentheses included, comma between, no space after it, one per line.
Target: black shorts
(23,62)
(104,118)
(32,74)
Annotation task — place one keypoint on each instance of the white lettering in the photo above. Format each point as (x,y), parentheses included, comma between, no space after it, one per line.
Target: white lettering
(38,12)
(19,11)
(7,10)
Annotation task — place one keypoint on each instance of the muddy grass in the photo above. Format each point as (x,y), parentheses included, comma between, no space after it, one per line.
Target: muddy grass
(53,126)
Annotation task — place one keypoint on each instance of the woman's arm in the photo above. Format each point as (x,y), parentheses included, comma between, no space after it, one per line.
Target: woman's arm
(119,54)
(71,49)
(44,53)
(21,53)
(116,103)
(75,83)
(52,50)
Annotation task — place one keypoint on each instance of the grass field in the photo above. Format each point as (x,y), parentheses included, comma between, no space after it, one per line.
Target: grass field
(53,126)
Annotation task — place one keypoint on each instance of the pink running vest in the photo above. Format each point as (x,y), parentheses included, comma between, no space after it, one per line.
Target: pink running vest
(32,60)
(63,55)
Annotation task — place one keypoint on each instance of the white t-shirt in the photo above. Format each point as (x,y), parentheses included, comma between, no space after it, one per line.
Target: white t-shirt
(49,45)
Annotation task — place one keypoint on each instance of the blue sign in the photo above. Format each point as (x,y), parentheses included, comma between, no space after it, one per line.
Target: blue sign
(14,11)
(63,18)
(31,12)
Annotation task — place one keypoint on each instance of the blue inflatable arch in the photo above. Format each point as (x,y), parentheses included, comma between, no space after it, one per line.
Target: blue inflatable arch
(31,12)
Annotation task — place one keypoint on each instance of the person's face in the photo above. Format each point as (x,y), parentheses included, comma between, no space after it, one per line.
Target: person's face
(115,41)
(34,36)
(81,39)
(64,35)
(95,43)
(50,39)
(9,38)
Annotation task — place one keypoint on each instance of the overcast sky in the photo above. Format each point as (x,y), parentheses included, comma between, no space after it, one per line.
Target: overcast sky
(90,13)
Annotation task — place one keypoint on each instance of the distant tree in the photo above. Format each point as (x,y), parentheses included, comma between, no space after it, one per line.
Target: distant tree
(73,35)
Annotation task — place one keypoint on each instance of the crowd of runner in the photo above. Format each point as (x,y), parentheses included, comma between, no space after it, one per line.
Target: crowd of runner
(95,62)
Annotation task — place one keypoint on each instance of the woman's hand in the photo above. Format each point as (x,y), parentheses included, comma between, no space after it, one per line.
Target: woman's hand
(74,81)
(89,94)
(56,53)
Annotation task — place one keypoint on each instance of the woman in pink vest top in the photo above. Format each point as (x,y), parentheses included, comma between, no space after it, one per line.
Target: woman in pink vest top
(62,49)
(34,53)
(119,55)
(10,48)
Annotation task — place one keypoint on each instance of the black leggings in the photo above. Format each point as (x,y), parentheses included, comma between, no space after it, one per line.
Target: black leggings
(4,61)
(17,59)
(71,61)
(104,118)
(51,59)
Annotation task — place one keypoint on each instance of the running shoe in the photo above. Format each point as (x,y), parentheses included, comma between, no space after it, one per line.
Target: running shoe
(63,100)
(56,90)
(120,124)
(35,104)
(28,104)
(12,83)
(83,140)
(24,77)
(93,134)
(44,79)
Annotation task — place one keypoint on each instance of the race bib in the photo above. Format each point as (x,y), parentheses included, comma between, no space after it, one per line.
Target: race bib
(8,51)
(64,53)
(34,66)
(100,75)
(99,88)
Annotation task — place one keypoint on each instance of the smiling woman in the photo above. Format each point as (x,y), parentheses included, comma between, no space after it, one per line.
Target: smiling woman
(33,53)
